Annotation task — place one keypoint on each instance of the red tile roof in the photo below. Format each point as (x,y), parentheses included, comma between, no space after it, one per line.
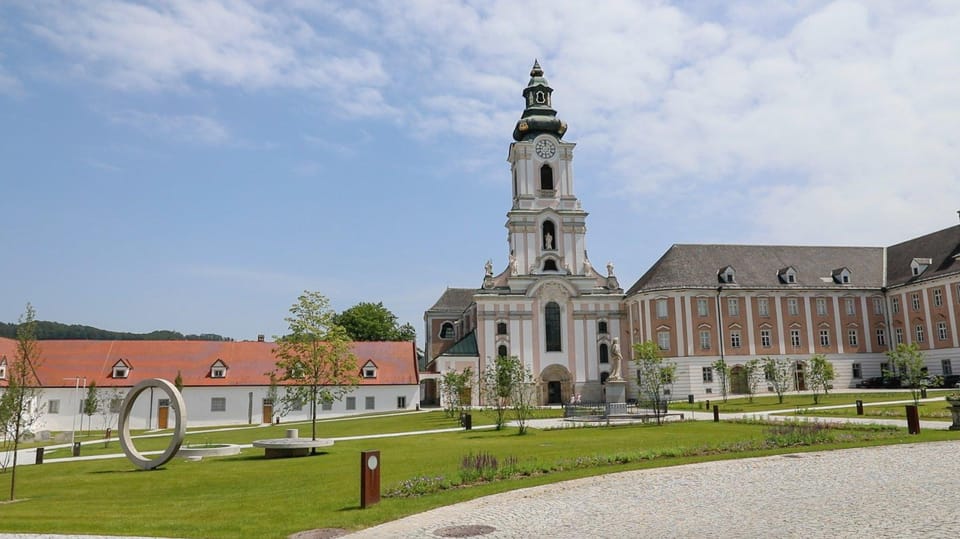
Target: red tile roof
(248,362)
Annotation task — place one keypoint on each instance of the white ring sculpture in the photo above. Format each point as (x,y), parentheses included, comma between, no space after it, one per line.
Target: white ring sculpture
(176,401)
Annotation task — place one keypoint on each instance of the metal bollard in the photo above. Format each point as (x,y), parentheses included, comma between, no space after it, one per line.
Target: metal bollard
(716,413)
(913,419)
(859,407)
(76,449)
(39,455)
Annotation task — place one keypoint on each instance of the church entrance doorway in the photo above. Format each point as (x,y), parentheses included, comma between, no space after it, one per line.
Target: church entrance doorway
(554,393)
(555,385)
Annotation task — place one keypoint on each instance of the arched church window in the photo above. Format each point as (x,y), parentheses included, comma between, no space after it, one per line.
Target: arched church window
(551,323)
(502,350)
(446,330)
(550,265)
(501,328)
(546,178)
(549,236)
(602,327)
(604,354)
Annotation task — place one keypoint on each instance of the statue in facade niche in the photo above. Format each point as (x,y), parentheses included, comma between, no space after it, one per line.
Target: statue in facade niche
(548,241)
(617,358)
(513,265)
(488,268)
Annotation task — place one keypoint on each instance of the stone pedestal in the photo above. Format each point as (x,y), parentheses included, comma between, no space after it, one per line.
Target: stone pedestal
(955,412)
(616,391)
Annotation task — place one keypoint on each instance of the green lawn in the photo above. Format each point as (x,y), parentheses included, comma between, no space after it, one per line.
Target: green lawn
(934,411)
(768,402)
(249,496)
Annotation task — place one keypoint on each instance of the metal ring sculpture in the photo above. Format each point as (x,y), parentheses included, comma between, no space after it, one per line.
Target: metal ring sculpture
(176,401)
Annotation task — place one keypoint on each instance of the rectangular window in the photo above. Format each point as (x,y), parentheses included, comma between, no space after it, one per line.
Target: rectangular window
(821,306)
(663,340)
(852,337)
(946,366)
(661,308)
(3,372)
(733,306)
(851,306)
(937,297)
(326,406)
(765,338)
(702,307)
(824,337)
(877,306)
(369,403)
(708,374)
(763,307)
(705,339)
(795,338)
(857,371)
(351,403)
(115,405)
(915,301)
(53,406)
(792,307)
(942,331)
(895,305)
(735,339)
(898,335)
(297,405)
(919,330)
(881,337)
(218,404)
(401,403)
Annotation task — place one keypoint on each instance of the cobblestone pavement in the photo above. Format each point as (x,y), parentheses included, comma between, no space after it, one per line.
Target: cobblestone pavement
(891,491)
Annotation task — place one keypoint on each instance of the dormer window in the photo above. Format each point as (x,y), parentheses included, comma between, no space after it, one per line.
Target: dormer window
(3,368)
(919,265)
(121,369)
(369,369)
(841,276)
(218,369)
(727,275)
(788,275)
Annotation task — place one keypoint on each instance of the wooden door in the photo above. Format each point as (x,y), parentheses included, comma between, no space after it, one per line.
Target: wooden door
(267,412)
(163,414)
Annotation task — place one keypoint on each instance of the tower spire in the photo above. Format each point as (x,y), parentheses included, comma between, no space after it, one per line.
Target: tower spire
(538,116)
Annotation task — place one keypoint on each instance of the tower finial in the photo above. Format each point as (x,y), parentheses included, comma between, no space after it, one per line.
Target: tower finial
(537,71)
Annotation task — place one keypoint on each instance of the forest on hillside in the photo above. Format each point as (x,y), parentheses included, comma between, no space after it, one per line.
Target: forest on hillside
(57,331)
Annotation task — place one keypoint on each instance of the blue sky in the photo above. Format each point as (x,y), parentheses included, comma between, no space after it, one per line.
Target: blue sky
(195,165)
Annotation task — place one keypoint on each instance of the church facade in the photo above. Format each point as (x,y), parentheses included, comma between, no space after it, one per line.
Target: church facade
(565,319)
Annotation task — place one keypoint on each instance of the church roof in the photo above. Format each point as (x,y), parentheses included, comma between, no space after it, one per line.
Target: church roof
(454,300)
(467,346)
(941,247)
(760,266)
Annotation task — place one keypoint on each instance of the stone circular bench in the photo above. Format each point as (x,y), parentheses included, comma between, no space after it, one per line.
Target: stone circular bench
(214,450)
(291,446)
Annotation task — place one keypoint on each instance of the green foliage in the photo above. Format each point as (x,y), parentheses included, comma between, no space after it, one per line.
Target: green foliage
(91,404)
(654,375)
(751,371)
(778,372)
(55,331)
(17,407)
(178,381)
(373,322)
(723,375)
(507,384)
(909,361)
(791,433)
(315,358)
(453,389)
(819,376)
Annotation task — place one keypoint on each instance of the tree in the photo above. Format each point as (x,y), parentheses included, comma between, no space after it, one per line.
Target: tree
(91,404)
(777,373)
(723,374)
(496,384)
(653,375)
(910,362)
(178,381)
(453,388)
(315,358)
(820,376)
(18,411)
(373,322)
(751,372)
(523,391)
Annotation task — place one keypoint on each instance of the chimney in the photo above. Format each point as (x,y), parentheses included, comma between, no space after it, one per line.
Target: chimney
(260,337)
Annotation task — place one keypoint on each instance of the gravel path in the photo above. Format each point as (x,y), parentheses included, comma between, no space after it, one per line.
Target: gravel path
(892,491)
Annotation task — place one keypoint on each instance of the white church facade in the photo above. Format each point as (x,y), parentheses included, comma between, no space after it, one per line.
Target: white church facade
(561,316)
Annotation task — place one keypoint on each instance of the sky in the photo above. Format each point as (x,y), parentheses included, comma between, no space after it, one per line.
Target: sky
(196,165)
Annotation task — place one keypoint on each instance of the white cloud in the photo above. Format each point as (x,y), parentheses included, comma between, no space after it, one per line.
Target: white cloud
(184,128)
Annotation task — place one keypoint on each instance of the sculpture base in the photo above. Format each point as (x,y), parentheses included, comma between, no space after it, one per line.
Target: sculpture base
(616,391)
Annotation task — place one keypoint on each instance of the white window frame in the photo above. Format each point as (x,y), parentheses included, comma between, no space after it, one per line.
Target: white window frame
(53,406)
(763,307)
(898,335)
(218,404)
(662,308)
(915,301)
(857,371)
(663,339)
(369,402)
(821,306)
(825,338)
(793,307)
(735,340)
(765,338)
(120,371)
(937,297)
(703,307)
(218,372)
(877,306)
(942,330)
(707,375)
(881,337)
(795,339)
(733,306)
(401,402)
(946,366)
(895,305)
(919,332)
(851,306)
(852,338)
(351,403)
(706,338)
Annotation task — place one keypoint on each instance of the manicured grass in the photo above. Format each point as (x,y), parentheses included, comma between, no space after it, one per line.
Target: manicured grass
(933,411)
(249,496)
(767,402)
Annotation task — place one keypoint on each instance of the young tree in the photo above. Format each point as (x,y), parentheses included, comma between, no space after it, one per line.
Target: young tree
(777,372)
(820,376)
(523,393)
(723,375)
(909,361)
(315,357)
(453,387)
(653,375)
(178,381)
(18,411)
(496,383)
(91,404)
(751,372)
(373,322)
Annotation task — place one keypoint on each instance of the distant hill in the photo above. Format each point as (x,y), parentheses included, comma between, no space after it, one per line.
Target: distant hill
(57,331)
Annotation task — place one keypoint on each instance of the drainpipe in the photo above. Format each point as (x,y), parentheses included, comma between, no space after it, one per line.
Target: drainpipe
(724,380)
(889,328)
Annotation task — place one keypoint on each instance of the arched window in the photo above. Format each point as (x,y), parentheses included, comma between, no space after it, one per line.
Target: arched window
(604,354)
(602,327)
(546,178)
(446,330)
(550,265)
(502,350)
(501,328)
(551,323)
(541,97)
(549,235)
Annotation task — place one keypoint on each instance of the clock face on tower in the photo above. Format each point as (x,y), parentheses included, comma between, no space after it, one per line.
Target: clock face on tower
(545,148)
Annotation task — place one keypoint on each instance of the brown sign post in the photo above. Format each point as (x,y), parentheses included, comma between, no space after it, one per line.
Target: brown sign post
(369,478)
